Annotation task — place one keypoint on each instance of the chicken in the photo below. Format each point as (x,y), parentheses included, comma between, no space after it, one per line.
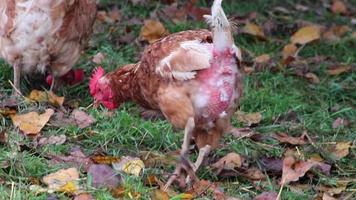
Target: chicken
(191,77)
(41,35)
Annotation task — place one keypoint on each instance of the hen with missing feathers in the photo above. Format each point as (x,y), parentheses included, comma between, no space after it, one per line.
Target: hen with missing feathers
(41,35)
(191,77)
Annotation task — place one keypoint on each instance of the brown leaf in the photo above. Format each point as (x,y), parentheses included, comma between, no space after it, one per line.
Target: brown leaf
(340,122)
(273,165)
(338,70)
(341,186)
(249,118)
(228,162)
(267,196)
(174,13)
(338,7)
(312,78)
(7,111)
(82,119)
(263,59)
(153,30)
(76,158)
(120,192)
(289,51)
(53,140)
(103,176)
(340,150)
(254,174)
(197,13)
(115,14)
(84,196)
(242,132)
(293,170)
(64,180)
(98,58)
(3,137)
(327,196)
(32,122)
(335,32)
(254,30)
(105,159)
(160,195)
(306,35)
(285,138)
(46,96)
(204,186)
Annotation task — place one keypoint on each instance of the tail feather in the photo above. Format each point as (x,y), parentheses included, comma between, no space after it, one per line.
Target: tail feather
(222,34)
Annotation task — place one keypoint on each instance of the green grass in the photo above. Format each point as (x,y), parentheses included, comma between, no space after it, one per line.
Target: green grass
(274,94)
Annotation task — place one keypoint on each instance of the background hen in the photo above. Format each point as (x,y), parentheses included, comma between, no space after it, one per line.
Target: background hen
(191,77)
(44,35)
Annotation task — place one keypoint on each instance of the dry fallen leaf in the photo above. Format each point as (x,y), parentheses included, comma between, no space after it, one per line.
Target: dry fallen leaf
(103,176)
(338,7)
(285,138)
(155,159)
(338,70)
(340,122)
(253,29)
(3,137)
(84,196)
(293,170)
(289,51)
(153,30)
(76,158)
(82,119)
(249,118)
(267,196)
(228,162)
(272,164)
(98,58)
(312,78)
(160,195)
(130,165)
(54,139)
(339,150)
(306,34)
(32,122)
(263,59)
(7,111)
(46,96)
(254,174)
(105,159)
(335,32)
(242,132)
(64,180)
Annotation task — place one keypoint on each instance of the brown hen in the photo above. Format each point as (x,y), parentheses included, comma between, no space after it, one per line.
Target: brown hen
(41,35)
(191,77)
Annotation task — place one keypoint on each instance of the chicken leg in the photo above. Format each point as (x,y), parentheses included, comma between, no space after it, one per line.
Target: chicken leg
(188,132)
(203,152)
(17,78)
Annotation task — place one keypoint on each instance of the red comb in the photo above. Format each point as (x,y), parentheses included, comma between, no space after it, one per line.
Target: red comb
(97,74)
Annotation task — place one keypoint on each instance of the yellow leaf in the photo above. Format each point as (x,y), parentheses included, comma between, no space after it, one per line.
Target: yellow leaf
(289,50)
(249,118)
(130,165)
(7,111)
(63,180)
(341,149)
(152,31)
(70,187)
(46,96)
(254,30)
(338,70)
(160,195)
(306,34)
(32,122)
